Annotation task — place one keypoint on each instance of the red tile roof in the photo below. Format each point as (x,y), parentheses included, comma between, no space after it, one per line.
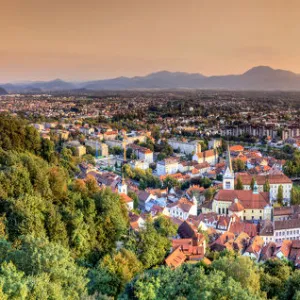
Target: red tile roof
(176,258)
(247,198)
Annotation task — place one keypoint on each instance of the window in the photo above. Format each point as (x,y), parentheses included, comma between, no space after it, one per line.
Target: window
(219,210)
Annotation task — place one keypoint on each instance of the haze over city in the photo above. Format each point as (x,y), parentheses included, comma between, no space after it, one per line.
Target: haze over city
(83,40)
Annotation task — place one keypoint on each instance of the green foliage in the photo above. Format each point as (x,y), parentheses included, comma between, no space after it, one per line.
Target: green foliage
(295,195)
(41,270)
(292,166)
(145,177)
(239,184)
(16,135)
(165,226)
(152,245)
(238,165)
(113,272)
(280,195)
(135,198)
(241,269)
(267,186)
(209,194)
(292,287)
(252,183)
(274,278)
(187,282)
(170,182)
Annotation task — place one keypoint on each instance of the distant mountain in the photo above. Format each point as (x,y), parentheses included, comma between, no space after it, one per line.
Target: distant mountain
(54,85)
(158,80)
(257,78)
(3,91)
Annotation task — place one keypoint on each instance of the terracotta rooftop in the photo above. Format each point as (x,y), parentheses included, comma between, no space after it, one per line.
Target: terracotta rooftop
(247,198)
(176,258)
(261,179)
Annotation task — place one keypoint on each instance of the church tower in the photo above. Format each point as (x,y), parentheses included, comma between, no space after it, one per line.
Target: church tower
(122,187)
(228,177)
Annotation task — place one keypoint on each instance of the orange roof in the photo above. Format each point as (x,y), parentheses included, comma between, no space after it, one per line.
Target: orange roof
(248,199)
(236,206)
(261,179)
(177,176)
(286,248)
(126,198)
(236,148)
(182,203)
(175,259)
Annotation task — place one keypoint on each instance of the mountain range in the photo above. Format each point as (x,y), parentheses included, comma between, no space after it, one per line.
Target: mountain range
(257,78)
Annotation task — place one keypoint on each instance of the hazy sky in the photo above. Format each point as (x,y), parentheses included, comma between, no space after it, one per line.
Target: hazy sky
(94,39)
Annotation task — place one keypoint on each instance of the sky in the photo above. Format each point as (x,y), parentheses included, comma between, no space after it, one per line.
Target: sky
(96,39)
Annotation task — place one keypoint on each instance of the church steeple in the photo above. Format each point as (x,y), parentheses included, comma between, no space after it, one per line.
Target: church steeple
(229,163)
(122,186)
(228,177)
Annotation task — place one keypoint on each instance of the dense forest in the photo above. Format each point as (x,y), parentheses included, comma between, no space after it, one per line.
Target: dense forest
(65,238)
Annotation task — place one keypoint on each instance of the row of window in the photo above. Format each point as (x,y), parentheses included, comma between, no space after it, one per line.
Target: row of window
(288,232)
(288,238)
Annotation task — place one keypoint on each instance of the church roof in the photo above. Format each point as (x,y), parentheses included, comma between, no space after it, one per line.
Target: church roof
(236,206)
(247,198)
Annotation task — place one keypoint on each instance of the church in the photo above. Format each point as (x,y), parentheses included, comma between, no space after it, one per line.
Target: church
(246,204)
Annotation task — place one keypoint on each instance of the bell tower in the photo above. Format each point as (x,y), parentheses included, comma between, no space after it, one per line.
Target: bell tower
(228,177)
(122,187)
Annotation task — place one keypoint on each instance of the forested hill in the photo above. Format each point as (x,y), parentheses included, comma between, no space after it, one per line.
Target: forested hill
(58,238)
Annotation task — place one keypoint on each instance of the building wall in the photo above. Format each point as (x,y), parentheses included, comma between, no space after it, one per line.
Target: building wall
(164,169)
(148,157)
(177,212)
(287,234)
(80,150)
(185,147)
(222,208)
(274,190)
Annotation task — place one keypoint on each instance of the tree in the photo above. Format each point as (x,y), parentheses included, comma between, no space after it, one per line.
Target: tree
(274,278)
(205,182)
(165,226)
(208,194)
(186,282)
(88,158)
(113,219)
(238,165)
(135,198)
(41,270)
(170,182)
(267,186)
(152,246)
(252,183)
(292,287)
(239,184)
(241,269)
(117,269)
(47,150)
(295,195)
(280,195)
